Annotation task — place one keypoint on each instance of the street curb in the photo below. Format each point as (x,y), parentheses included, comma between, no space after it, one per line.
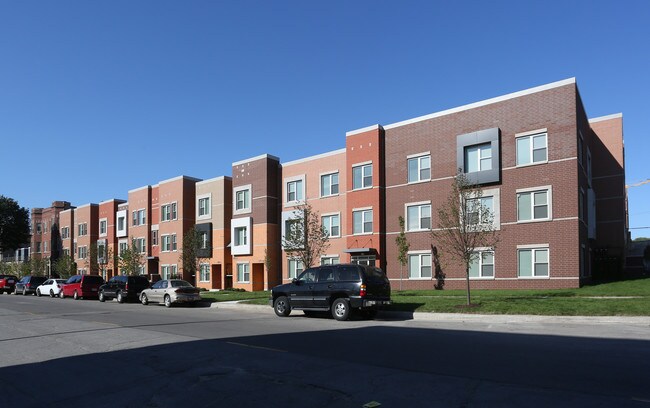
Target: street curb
(464,317)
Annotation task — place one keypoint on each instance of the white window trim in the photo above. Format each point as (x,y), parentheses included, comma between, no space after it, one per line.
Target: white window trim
(419,252)
(549,190)
(246,210)
(529,134)
(495,193)
(320,186)
(494,264)
(372,175)
(100,227)
(209,214)
(534,246)
(332,215)
(237,272)
(417,156)
(201,272)
(373,221)
(241,249)
(406,219)
(285,189)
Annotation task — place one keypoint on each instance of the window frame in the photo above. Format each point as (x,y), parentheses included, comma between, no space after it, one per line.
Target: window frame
(298,184)
(479,252)
(419,255)
(363,212)
(534,249)
(531,150)
(247,192)
(330,176)
(531,191)
(297,270)
(419,206)
(203,274)
(104,222)
(481,147)
(207,199)
(243,273)
(361,167)
(418,159)
(332,216)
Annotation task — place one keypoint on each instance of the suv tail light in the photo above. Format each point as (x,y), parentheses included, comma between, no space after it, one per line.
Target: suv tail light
(362,290)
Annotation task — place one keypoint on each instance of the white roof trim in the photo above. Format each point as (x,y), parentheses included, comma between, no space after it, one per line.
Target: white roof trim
(608,117)
(138,189)
(194,179)
(484,102)
(116,200)
(86,205)
(262,156)
(318,156)
(362,130)
(213,180)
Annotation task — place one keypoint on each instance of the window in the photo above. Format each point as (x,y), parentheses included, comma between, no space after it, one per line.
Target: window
(168,243)
(142,218)
(419,169)
(83,229)
(329,260)
(241,236)
(205,273)
(123,246)
(418,217)
(329,184)
(294,191)
(362,222)
(154,237)
(101,251)
(135,218)
(38,247)
(65,232)
(580,147)
(102,227)
(243,274)
(482,265)
(533,205)
(479,210)
(295,268)
(168,272)
(532,262)
(581,205)
(140,244)
(39,228)
(121,223)
(532,149)
(243,199)
(168,212)
(45,246)
(204,240)
(332,225)
(478,158)
(83,252)
(589,165)
(419,266)
(204,207)
(362,176)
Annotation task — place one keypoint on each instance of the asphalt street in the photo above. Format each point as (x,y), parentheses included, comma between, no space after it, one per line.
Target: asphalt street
(70,353)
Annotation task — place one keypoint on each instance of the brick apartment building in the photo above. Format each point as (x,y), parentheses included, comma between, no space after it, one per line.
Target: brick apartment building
(46,239)
(553,178)
(86,222)
(107,242)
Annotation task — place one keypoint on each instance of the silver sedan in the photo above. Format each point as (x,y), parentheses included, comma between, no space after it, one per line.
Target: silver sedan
(169,292)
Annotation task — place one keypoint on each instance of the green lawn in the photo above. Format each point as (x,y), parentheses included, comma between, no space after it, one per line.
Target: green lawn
(625,298)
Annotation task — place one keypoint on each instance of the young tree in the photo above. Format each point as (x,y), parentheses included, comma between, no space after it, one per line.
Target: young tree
(304,236)
(65,266)
(465,223)
(38,266)
(92,263)
(402,249)
(14,224)
(190,258)
(131,259)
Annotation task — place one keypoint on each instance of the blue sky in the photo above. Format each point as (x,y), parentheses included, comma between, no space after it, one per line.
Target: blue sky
(98,98)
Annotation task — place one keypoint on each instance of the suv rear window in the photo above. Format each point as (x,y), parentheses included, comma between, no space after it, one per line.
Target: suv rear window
(138,280)
(374,275)
(90,279)
(347,274)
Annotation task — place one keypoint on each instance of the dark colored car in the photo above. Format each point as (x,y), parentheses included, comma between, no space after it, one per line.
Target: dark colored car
(28,285)
(7,283)
(82,286)
(123,288)
(340,289)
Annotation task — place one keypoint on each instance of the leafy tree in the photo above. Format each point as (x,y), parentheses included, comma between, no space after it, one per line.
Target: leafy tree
(38,266)
(14,225)
(131,259)
(402,249)
(65,266)
(304,236)
(190,258)
(92,263)
(464,225)
(637,239)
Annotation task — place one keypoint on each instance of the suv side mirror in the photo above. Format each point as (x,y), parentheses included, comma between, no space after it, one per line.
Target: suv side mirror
(295,281)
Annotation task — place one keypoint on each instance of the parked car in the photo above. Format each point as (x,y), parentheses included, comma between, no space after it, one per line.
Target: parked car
(340,289)
(28,285)
(123,288)
(81,286)
(50,287)
(7,283)
(169,292)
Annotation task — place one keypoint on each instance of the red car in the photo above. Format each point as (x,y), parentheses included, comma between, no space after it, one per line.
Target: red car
(7,283)
(81,286)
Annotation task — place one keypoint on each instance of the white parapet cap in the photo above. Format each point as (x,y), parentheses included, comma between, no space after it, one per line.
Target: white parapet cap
(194,179)
(213,180)
(608,117)
(116,200)
(471,105)
(316,157)
(86,205)
(138,189)
(363,130)
(260,157)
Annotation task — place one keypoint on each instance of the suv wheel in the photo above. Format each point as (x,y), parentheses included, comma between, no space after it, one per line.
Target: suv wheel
(101,296)
(120,297)
(341,309)
(282,307)
(168,301)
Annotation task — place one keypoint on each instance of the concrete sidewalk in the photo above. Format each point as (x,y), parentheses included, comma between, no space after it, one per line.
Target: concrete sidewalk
(465,317)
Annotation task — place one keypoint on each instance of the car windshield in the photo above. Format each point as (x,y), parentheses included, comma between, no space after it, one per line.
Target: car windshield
(180,284)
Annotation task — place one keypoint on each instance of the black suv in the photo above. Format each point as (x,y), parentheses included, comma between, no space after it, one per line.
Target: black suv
(123,288)
(340,289)
(28,285)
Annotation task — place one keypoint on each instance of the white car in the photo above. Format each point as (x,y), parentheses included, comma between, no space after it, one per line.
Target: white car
(50,287)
